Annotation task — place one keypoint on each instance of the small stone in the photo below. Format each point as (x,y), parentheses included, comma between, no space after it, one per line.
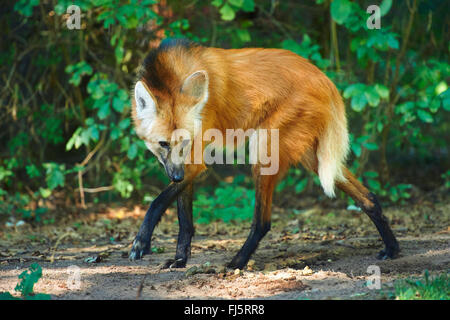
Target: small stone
(307,271)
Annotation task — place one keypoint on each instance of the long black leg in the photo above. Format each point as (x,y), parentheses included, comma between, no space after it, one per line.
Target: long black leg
(381,222)
(141,244)
(368,202)
(260,224)
(186,232)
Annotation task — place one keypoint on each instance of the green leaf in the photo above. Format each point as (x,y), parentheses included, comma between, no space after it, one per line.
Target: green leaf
(371,146)
(340,10)
(45,193)
(243,35)
(125,123)
(372,96)
(55,179)
(55,176)
(301,185)
(425,116)
(291,45)
(104,111)
(435,105)
(385,6)
(217,3)
(236,3)
(359,102)
(445,96)
(32,171)
(380,127)
(356,148)
(28,279)
(123,95)
(158,249)
(78,70)
(405,107)
(441,87)
(373,184)
(119,52)
(392,41)
(353,90)
(132,151)
(248,6)
(382,91)
(25,7)
(115,133)
(227,12)
(118,104)
(371,174)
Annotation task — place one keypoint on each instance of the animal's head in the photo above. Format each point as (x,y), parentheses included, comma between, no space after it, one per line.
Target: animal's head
(166,118)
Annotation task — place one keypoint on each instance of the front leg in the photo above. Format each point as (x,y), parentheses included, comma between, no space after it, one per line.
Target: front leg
(186,232)
(264,185)
(141,244)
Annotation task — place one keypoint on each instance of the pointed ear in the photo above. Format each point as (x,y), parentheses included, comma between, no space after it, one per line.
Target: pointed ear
(145,103)
(196,85)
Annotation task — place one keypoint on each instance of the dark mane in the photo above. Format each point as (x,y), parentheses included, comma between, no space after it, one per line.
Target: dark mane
(175,42)
(153,70)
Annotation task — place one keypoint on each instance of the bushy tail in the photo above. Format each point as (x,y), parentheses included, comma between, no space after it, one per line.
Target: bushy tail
(333,148)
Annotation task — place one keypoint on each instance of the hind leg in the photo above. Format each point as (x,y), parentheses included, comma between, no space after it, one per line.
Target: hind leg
(368,202)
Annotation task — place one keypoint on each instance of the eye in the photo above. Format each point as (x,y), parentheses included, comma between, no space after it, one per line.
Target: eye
(164,144)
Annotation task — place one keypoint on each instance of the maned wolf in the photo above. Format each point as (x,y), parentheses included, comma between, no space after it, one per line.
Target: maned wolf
(181,84)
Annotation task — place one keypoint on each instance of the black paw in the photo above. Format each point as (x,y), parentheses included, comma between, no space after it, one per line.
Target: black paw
(389,253)
(237,263)
(172,263)
(138,250)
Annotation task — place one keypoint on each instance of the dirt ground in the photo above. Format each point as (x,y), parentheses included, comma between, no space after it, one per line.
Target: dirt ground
(315,253)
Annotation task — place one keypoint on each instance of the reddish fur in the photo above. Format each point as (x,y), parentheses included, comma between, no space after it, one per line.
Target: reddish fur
(255,88)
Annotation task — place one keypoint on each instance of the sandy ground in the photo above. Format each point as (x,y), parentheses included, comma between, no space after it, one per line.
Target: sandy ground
(299,259)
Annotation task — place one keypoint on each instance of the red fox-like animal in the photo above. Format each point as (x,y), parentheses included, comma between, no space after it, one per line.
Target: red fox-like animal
(181,83)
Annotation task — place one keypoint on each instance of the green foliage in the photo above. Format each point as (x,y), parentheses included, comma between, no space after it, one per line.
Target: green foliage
(426,288)
(66,94)
(78,70)
(295,179)
(363,95)
(27,280)
(54,175)
(229,203)
(81,104)
(306,49)
(446,177)
(25,7)
(158,249)
(340,10)
(228,8)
